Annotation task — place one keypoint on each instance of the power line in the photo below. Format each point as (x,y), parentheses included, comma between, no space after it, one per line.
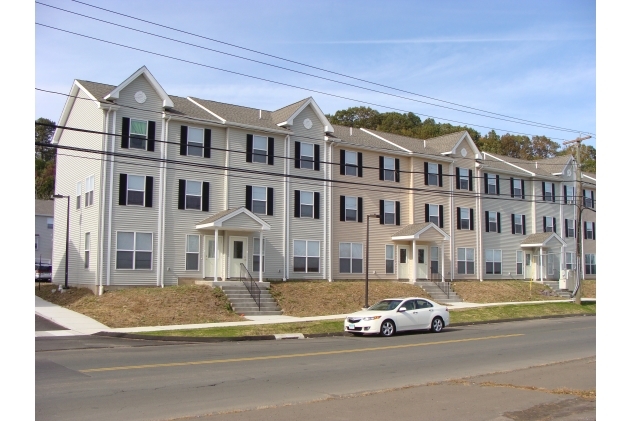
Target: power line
(276,156)
(275,82)
(321,69)
(509,119)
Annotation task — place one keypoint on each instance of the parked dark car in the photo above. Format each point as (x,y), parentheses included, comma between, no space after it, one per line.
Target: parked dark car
(43,272)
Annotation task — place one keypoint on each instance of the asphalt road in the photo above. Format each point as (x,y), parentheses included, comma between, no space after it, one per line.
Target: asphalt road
(42,324)
(117,379)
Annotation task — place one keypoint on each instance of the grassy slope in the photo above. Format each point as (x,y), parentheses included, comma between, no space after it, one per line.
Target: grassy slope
(502,291)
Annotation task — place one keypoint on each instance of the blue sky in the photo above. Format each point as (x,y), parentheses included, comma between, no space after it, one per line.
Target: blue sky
(532,60)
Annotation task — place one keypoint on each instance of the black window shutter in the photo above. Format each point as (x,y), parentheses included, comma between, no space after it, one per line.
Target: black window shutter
(594,230)
(426,212)
(381,168)
(523,224)
(270,201)
(566,228)
(360,165)
(249,144)
(397,177)
(316,205)
(585,230)
(205,196)
(151,136)
(497,184)
(440,215)
(207,139)
(342,208)
(183,139)
(543,190)
(297,154)
(523,189)
(148,192)
(270,151)
(512,223)
(471,220)
(486,218)
(122,190)
(593,199)
(248,198)
(360,209)
(457,178)
(125,137)
(342,162)
(544,224)
(554,198)
(381,212)
(316,157)
(181,193)
(426,172)
(398,212)
(440,175)
(584,197)
(565,195)
(297,203)
(486,183)
(499,223)
(512,188)
(554,225)
(470,180)
(458,225)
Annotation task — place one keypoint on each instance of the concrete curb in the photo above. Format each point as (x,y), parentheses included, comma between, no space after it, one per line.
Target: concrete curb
(306,335)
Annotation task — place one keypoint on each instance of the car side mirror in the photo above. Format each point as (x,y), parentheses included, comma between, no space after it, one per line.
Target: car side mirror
(402,309)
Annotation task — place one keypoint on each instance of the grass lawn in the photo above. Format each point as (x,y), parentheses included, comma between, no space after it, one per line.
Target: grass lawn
(332,326)
(589,288)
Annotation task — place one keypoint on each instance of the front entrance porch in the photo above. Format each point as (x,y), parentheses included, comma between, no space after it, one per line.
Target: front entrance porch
(421,252)
(545,256)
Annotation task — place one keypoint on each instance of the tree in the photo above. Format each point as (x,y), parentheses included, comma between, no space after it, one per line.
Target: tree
(45,158)
(543,147)
(588,156)
(44,134)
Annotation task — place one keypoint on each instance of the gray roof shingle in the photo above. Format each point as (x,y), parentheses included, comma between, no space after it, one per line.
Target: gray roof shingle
(218,216)
(537,238)
(410,229)
(281,115)
(360,139)
(44,207)
(241,115)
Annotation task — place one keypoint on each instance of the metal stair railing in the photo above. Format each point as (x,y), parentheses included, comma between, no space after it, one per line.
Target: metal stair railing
(444,286)
(250,285)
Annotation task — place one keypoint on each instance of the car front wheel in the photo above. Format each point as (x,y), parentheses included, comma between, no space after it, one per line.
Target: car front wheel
(437,325)
(388,328)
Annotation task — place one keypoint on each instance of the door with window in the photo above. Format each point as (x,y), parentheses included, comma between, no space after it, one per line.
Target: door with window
(237,254)
(213,254)
(421,262)
(404,252)
(434,262)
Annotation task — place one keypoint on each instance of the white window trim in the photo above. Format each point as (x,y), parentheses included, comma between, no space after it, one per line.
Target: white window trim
(79,195)
(571,262)
(255,252)
(265,142)
(491,182)
(519,253)
(134,252)
(464,177)
(86,251)
(518,218)
(570,227)
(394,266)
(306,256)
(351,258)
(49,222)
(431,173)
(194,143)
(36,241)
(347,208)
(201,194)
(437,223)
(386,168)
(549,219)
(187,252)
(592,259)
(258,200)
(466,211)
(571,195)
(393,213)
(589,228)
(146,137)
(465,260)
(144,193)
(517,187)
(303,155)
(589,194)
(89,191)
(493,261)
(307,204)
(546,185)
(354,166)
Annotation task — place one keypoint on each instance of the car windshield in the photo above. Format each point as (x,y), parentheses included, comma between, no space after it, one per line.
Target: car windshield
(385,305)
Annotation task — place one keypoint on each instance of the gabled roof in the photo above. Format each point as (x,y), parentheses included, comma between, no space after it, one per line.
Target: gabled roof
(44,207)
(293,110)
(541,239)
(503,163)
(183,107)
(415,231)
(143,71)
(282,114)
(449,142)
(217,220)
(360,138)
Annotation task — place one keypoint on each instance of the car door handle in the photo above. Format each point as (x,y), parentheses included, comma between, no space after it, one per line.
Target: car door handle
(431,309)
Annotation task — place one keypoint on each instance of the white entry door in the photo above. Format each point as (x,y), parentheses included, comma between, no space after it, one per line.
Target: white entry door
(421,262)
(237,254)
(212,252)
(404,253)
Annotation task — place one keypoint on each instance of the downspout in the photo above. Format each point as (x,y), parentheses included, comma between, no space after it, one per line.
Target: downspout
(330,172)
(286,216)
(109,214)
(162,198)
(102,210)
(225,180)
(326,213)
(451,224)
(478,233)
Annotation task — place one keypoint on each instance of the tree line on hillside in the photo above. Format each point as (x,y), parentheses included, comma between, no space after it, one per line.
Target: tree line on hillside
(411,125)
(45,160)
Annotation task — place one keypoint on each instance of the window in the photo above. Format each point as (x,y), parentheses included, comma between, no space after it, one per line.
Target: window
(527,259)
(257,258)
(350,208)
(549,224)
(421,256)
(259,200)
(389,215)
(551,264)
(306,256)
(433,259)
(569,228)
(306,204)
(434,214)
(50,222)
(465,220)
(491,183)
(350,164)
(192,252)
(86,251)
(590,264)
(569,195)
(493,220)
(195,142)
(548,191)
(135,190)
(193,195)
(432,174)
(389,258)
(465,261)
(259,149)
(138,134)
(493,260)
(569,260)
(518,191)
(36,241)
(351,257)
(520,262)
(589,198)
(79,195)
(89,191)
(463,179)
(306,155)
(519,224)
(134,250)
(589,230)
(389,169)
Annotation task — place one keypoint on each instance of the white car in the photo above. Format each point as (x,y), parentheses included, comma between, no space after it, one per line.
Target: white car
(396,315)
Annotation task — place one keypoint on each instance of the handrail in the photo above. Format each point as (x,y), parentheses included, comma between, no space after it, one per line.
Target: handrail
(250,284)
(445,286)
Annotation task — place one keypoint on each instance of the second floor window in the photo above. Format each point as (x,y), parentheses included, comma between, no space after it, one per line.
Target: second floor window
(570,228)
(518,223)
(589,198)
(465,218)
(135,190)
(548,191)
(50,222)
(491,184)
(389,212)
(590,230)
(464,177)
(493,221)
(434,213)
(350,208)
(306,204)
(517,188)
(193,198)
(259,200)
(549,224)
(138,134)
(89,191)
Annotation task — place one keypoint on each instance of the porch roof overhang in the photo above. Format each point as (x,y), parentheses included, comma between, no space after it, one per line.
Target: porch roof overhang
(541,239)
(416,231)
(221,221)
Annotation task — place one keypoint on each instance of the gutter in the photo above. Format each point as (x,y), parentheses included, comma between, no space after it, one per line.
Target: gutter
(161,199)
(109,216)
(102,210)
(286,216)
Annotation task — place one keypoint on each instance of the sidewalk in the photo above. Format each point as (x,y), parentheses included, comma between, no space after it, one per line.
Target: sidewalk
(78,324)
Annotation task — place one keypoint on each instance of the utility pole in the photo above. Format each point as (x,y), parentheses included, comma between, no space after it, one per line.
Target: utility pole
(580,204)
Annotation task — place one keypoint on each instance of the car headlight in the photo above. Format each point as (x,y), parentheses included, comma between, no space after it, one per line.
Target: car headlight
(371,318)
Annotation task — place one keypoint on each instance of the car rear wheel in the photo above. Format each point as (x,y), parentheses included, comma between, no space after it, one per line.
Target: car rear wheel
(388,328)
(437,325)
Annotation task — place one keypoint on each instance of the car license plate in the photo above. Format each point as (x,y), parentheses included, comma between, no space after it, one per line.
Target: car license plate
(351,326)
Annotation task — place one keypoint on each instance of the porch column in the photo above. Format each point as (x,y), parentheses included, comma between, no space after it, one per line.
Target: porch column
(216,251)
(442,260)
(541,264)
(261,256)
(414,260)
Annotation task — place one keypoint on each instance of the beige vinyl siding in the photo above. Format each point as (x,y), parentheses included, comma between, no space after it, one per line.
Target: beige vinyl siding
(45,246)
(464,199)
(589,246)
(72,167)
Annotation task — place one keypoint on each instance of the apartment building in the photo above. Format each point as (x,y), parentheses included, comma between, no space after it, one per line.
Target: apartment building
(168,189)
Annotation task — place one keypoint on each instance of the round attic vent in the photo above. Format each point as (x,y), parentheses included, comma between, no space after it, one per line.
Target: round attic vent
(308,123)
(140,97)
(463,152)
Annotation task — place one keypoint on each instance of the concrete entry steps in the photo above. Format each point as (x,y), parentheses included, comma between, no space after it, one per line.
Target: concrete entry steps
(554,285)
(241,300)
(437,294)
